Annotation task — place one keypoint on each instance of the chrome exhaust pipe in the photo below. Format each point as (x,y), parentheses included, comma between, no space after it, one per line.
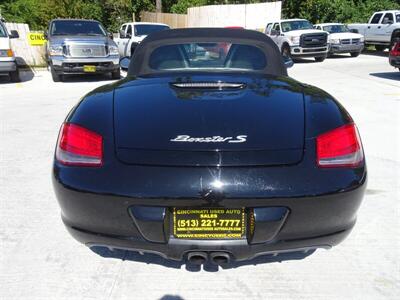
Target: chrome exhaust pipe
(197,258)
(220,258)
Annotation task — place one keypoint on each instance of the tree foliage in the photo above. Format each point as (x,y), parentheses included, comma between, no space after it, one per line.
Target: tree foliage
(112,13)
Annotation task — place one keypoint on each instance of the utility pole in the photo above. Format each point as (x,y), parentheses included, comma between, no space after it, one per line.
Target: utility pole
(158,6)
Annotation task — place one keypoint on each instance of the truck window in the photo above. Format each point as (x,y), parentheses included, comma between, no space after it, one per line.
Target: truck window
(268,27)
(388,19)
(376,18)
(277,27)
(296,25)
(76,27)
(397,18)
(146,29)
(3,31)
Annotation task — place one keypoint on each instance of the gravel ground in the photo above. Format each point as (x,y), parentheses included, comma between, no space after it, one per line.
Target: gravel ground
(39,260)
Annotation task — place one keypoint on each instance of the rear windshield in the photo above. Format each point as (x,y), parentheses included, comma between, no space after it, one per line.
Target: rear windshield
(208,56)
(296,25)
(3,31)
(77,27)
(148,28)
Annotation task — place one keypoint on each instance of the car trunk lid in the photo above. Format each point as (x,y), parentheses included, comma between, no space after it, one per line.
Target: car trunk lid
(242,122)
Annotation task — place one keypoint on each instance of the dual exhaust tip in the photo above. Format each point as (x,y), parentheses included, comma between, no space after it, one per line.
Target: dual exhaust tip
(217,258)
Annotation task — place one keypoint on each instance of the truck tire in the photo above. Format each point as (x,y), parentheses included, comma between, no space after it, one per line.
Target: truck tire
(354,54)
(380,47)
(320,58)
(56,77)
(116,74)
(14,76)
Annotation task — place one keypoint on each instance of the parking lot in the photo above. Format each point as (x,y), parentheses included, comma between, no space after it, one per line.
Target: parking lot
(39,260)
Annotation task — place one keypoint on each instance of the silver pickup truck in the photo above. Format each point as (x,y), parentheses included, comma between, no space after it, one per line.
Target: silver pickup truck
(80,47)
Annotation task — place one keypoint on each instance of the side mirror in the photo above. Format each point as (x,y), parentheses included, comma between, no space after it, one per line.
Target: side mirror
(288,62)
(124,63)
(46,36)
(14,34)
(275,32)
(121,34)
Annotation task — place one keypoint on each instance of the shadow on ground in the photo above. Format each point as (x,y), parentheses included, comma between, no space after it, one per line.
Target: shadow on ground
(209,267)
(376,53)
(395,75)
(26,73)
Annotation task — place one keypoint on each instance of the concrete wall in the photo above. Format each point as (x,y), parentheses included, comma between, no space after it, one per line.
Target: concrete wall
(25,53)
(250,16)
(173,20)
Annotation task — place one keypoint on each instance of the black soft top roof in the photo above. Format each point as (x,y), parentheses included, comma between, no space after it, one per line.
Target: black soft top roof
(139,65)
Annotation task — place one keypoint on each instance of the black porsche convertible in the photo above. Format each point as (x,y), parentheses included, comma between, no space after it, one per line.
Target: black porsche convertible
(208,151)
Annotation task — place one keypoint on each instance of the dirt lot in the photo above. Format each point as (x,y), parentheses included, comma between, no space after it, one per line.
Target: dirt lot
(39,260)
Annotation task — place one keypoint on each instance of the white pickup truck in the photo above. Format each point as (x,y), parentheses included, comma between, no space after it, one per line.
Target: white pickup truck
(297,38)
(8,63)
(382,29)
(131,34)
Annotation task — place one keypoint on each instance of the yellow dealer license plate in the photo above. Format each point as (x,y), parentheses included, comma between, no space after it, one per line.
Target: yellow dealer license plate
(209,223)
(89,69)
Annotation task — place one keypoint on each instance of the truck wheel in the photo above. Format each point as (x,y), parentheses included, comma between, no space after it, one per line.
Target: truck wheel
(380,47)
(116,74)
(14,76)
(286,51)
(56,77)
(320,58)
(354,54)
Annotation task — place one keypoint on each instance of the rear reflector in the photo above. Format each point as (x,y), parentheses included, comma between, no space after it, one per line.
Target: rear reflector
(79,146)
(340,147)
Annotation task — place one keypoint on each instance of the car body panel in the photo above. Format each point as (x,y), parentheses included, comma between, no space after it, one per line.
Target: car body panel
(279,113)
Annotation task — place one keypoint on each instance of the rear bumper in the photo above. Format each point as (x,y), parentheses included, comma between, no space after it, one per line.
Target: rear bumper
(102,219)
(7,66)
(346,48)
(68,65)
(179,249)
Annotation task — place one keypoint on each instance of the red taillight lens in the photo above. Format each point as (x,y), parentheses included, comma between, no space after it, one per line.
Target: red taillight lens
(340,147)
(395,51)
(79,146)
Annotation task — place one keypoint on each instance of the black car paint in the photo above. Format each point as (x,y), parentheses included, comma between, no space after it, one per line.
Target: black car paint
(98,204)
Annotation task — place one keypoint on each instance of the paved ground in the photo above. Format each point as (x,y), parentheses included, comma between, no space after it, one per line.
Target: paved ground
(39,260)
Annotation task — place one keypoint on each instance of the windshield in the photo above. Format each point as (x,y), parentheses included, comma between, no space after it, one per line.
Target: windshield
(296,25)
(3,31)
(148,28)
(336,28)
(77,27)
(207,56)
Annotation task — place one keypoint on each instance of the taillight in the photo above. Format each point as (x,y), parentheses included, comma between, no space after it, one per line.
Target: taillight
(395,51)
(340,147)
(79,146)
